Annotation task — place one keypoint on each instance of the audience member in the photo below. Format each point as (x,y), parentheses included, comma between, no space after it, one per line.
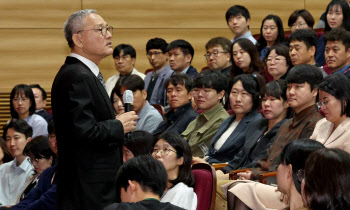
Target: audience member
(149,117)
(14,174)
(22,106)
(180,57)
(218,55)
(5,155)
(238,20)
(124,56)
(245,60)
(141,182)
(338,16)
(278,61)
(154,82)
(52,138)
(271,33)
(40,102)
(334,97)
(229,139)
(181,113)
(337,51)
(116,101)
(175,154)
(301,19)
(320,191)
(139,143)
(208,92)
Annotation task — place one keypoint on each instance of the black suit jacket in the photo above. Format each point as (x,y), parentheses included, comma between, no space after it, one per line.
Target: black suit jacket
(192,72)
(88,136)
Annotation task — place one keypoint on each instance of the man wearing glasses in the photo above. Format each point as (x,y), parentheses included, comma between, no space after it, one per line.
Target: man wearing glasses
(157,55)
(218,55)
(89,136)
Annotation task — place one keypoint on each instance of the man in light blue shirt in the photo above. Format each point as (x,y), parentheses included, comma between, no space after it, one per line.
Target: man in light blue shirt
(238,19)
(14,174)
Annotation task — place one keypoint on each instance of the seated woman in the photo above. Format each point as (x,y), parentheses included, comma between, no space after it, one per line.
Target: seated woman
(5,155)
(175,154)
(252,195)
(229,139)
(330,192)
(139,143)
(334,100)
(278,61)
(117,103)
(41,157)
(300,19)
(271,33)
(22,106)
(245,60)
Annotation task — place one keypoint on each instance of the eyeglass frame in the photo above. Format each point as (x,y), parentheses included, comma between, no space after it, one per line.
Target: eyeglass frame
(155,54)
(163,153)
(108,28)
(214,54)
(323,103)
(204,91)
(298,25)
(269,60)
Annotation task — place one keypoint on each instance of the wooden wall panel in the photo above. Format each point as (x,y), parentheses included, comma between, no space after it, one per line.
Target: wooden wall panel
(316,8)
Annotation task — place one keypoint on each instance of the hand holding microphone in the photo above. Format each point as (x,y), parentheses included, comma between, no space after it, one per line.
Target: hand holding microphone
(128,119)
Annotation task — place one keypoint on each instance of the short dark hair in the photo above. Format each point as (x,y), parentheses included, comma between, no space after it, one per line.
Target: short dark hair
(182,150)
(305,73)
(132,82)
(51,128)
(256,65)
(307,36)
(43,92)
(306,15)
(219,41)
(145,170)
(281,50)
(157,43)
(180,79)
(20,126)
(338,35)
(346,14)
(139,143)
(127,50)
(325,191)
(211,79)
(28,92)
(7,156)
(236,10)
(280,35)
(251,85)
(338,86)
(275,88)
(39,147)
(185,47)
(296,153)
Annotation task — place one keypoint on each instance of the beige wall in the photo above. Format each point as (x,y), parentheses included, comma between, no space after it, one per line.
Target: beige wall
(33,48)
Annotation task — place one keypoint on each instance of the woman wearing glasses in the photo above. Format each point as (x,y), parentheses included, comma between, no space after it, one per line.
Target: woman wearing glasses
(278,61)
(175,154)
(334,99)
(300,19)
(22,106)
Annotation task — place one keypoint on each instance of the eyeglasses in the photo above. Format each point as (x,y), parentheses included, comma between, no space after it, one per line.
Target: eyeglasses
(205,91)
(299,25)
(301,175)
(215,54)
(323,103)
(164,152)
(277,60)
(34,160)
(156,54)
(17,100)
(103,30)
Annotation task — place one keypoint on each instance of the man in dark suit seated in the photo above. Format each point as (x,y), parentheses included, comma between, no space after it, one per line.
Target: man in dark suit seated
(180,57)
(141,182)
(40,102)
(89,136)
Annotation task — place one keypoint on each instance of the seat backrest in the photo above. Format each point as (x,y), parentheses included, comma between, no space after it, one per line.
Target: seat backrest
(205,187)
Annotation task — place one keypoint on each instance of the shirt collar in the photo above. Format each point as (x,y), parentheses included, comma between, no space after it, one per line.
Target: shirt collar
(92,66)
(303,114)
(342,70)
(185,70)
(24,165)
(144,110)
(246,35)
(212,112)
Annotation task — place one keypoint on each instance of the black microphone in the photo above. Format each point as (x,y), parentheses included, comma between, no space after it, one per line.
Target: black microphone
(128,99)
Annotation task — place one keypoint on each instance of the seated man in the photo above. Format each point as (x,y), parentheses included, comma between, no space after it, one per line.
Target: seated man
(141,182)
(149,117)
(124,56)
(238,18)
(303,47)
(181,113)
(337,51)
(14,174)
(40,102)
(180,57)
(218,55)
(209,89)
(154,82)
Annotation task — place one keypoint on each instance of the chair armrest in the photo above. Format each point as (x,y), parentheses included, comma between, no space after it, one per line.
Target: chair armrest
(233,174)
(263,176)
(218,166)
